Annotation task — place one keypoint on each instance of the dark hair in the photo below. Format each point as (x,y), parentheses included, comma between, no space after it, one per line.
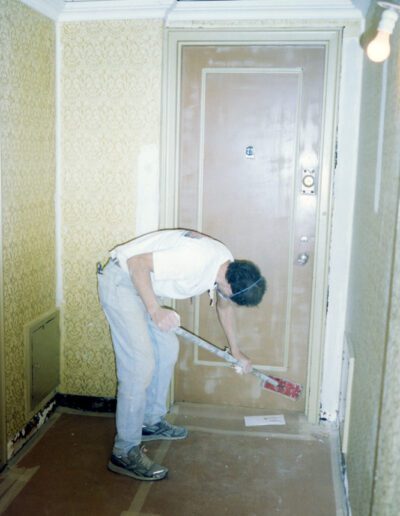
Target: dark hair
(246,282)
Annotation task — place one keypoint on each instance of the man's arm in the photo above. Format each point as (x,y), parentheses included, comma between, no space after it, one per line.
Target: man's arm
(226,316)
(140,267)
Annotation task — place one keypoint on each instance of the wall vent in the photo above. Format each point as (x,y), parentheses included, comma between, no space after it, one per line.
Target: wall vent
(42,341)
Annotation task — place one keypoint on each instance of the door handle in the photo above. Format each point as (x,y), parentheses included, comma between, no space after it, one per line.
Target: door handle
(302,259)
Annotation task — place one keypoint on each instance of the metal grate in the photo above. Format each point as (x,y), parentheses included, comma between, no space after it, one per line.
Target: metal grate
(43,353)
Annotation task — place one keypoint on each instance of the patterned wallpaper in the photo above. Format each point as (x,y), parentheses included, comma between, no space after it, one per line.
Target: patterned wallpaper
(370,289)
(111,90)
(28,183)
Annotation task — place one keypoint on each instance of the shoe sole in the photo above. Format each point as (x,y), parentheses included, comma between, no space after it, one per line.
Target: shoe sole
(146,438)
(123,471)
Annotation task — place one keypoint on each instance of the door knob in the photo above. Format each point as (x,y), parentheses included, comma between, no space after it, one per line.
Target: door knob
(302,259)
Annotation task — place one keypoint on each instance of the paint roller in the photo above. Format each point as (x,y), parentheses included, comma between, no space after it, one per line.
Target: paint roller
(281,386)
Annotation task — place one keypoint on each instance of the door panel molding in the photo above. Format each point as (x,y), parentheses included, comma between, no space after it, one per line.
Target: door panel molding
(220,70)
(331,40)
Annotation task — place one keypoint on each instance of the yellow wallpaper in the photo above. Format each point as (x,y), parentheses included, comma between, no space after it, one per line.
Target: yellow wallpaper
(111,89)
(28,182)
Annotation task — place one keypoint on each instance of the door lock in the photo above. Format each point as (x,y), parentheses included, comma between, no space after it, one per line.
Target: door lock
(302,259)
(308,182)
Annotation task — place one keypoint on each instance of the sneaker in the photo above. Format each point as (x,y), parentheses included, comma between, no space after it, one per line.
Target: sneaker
(137,465)
(163,431)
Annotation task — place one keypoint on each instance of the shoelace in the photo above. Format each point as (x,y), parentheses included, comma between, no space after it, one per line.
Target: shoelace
(143,459)
(164,425)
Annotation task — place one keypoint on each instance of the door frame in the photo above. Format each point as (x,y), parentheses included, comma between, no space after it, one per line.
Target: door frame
(331,39)
(3,446)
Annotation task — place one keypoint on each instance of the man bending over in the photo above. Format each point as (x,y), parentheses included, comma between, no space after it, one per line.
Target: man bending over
(174,264)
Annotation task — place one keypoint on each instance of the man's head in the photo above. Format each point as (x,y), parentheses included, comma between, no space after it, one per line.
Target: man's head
(247,284)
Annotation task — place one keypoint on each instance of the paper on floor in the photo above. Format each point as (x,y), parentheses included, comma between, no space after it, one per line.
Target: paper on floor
(264,420)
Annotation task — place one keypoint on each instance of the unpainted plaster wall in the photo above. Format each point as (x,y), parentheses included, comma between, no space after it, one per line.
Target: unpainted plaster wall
(386,501)
(372,296)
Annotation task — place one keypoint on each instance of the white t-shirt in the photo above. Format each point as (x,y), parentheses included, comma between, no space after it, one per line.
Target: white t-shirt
(184,265)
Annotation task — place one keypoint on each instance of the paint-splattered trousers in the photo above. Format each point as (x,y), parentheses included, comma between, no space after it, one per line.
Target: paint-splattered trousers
(145,357)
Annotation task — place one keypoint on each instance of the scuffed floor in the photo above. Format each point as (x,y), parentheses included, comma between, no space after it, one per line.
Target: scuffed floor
(223,468)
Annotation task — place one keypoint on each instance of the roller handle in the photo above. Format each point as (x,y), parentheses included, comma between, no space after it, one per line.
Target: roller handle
(221,354)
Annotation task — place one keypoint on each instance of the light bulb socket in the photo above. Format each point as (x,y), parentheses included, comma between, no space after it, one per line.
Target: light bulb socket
(387,4)
(388,21)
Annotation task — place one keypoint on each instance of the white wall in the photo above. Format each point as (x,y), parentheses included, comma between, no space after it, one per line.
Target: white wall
(343,207)
(363,5)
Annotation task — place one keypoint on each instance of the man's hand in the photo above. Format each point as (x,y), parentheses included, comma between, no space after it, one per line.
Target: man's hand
(165,318)
(244,360)
(140,267)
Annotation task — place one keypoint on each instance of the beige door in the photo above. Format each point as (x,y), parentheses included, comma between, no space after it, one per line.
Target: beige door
(250,126)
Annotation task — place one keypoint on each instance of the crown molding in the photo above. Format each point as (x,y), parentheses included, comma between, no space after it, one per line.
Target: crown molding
(50,8)
(60,10)
(263,9)
(115,9)
(174,11)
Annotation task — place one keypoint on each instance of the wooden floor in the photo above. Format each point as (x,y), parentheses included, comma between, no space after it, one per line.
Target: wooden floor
(222,468)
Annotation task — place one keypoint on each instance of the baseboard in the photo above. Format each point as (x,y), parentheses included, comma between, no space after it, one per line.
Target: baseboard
(22,437)
(86,403)
(72,401)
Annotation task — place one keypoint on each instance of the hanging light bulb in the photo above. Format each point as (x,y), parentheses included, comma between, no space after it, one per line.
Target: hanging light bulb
(379,48)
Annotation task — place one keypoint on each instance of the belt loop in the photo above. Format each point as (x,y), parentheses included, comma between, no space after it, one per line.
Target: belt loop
(115,260)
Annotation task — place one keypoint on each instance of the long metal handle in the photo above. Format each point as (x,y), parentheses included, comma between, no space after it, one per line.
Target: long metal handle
(221,353)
